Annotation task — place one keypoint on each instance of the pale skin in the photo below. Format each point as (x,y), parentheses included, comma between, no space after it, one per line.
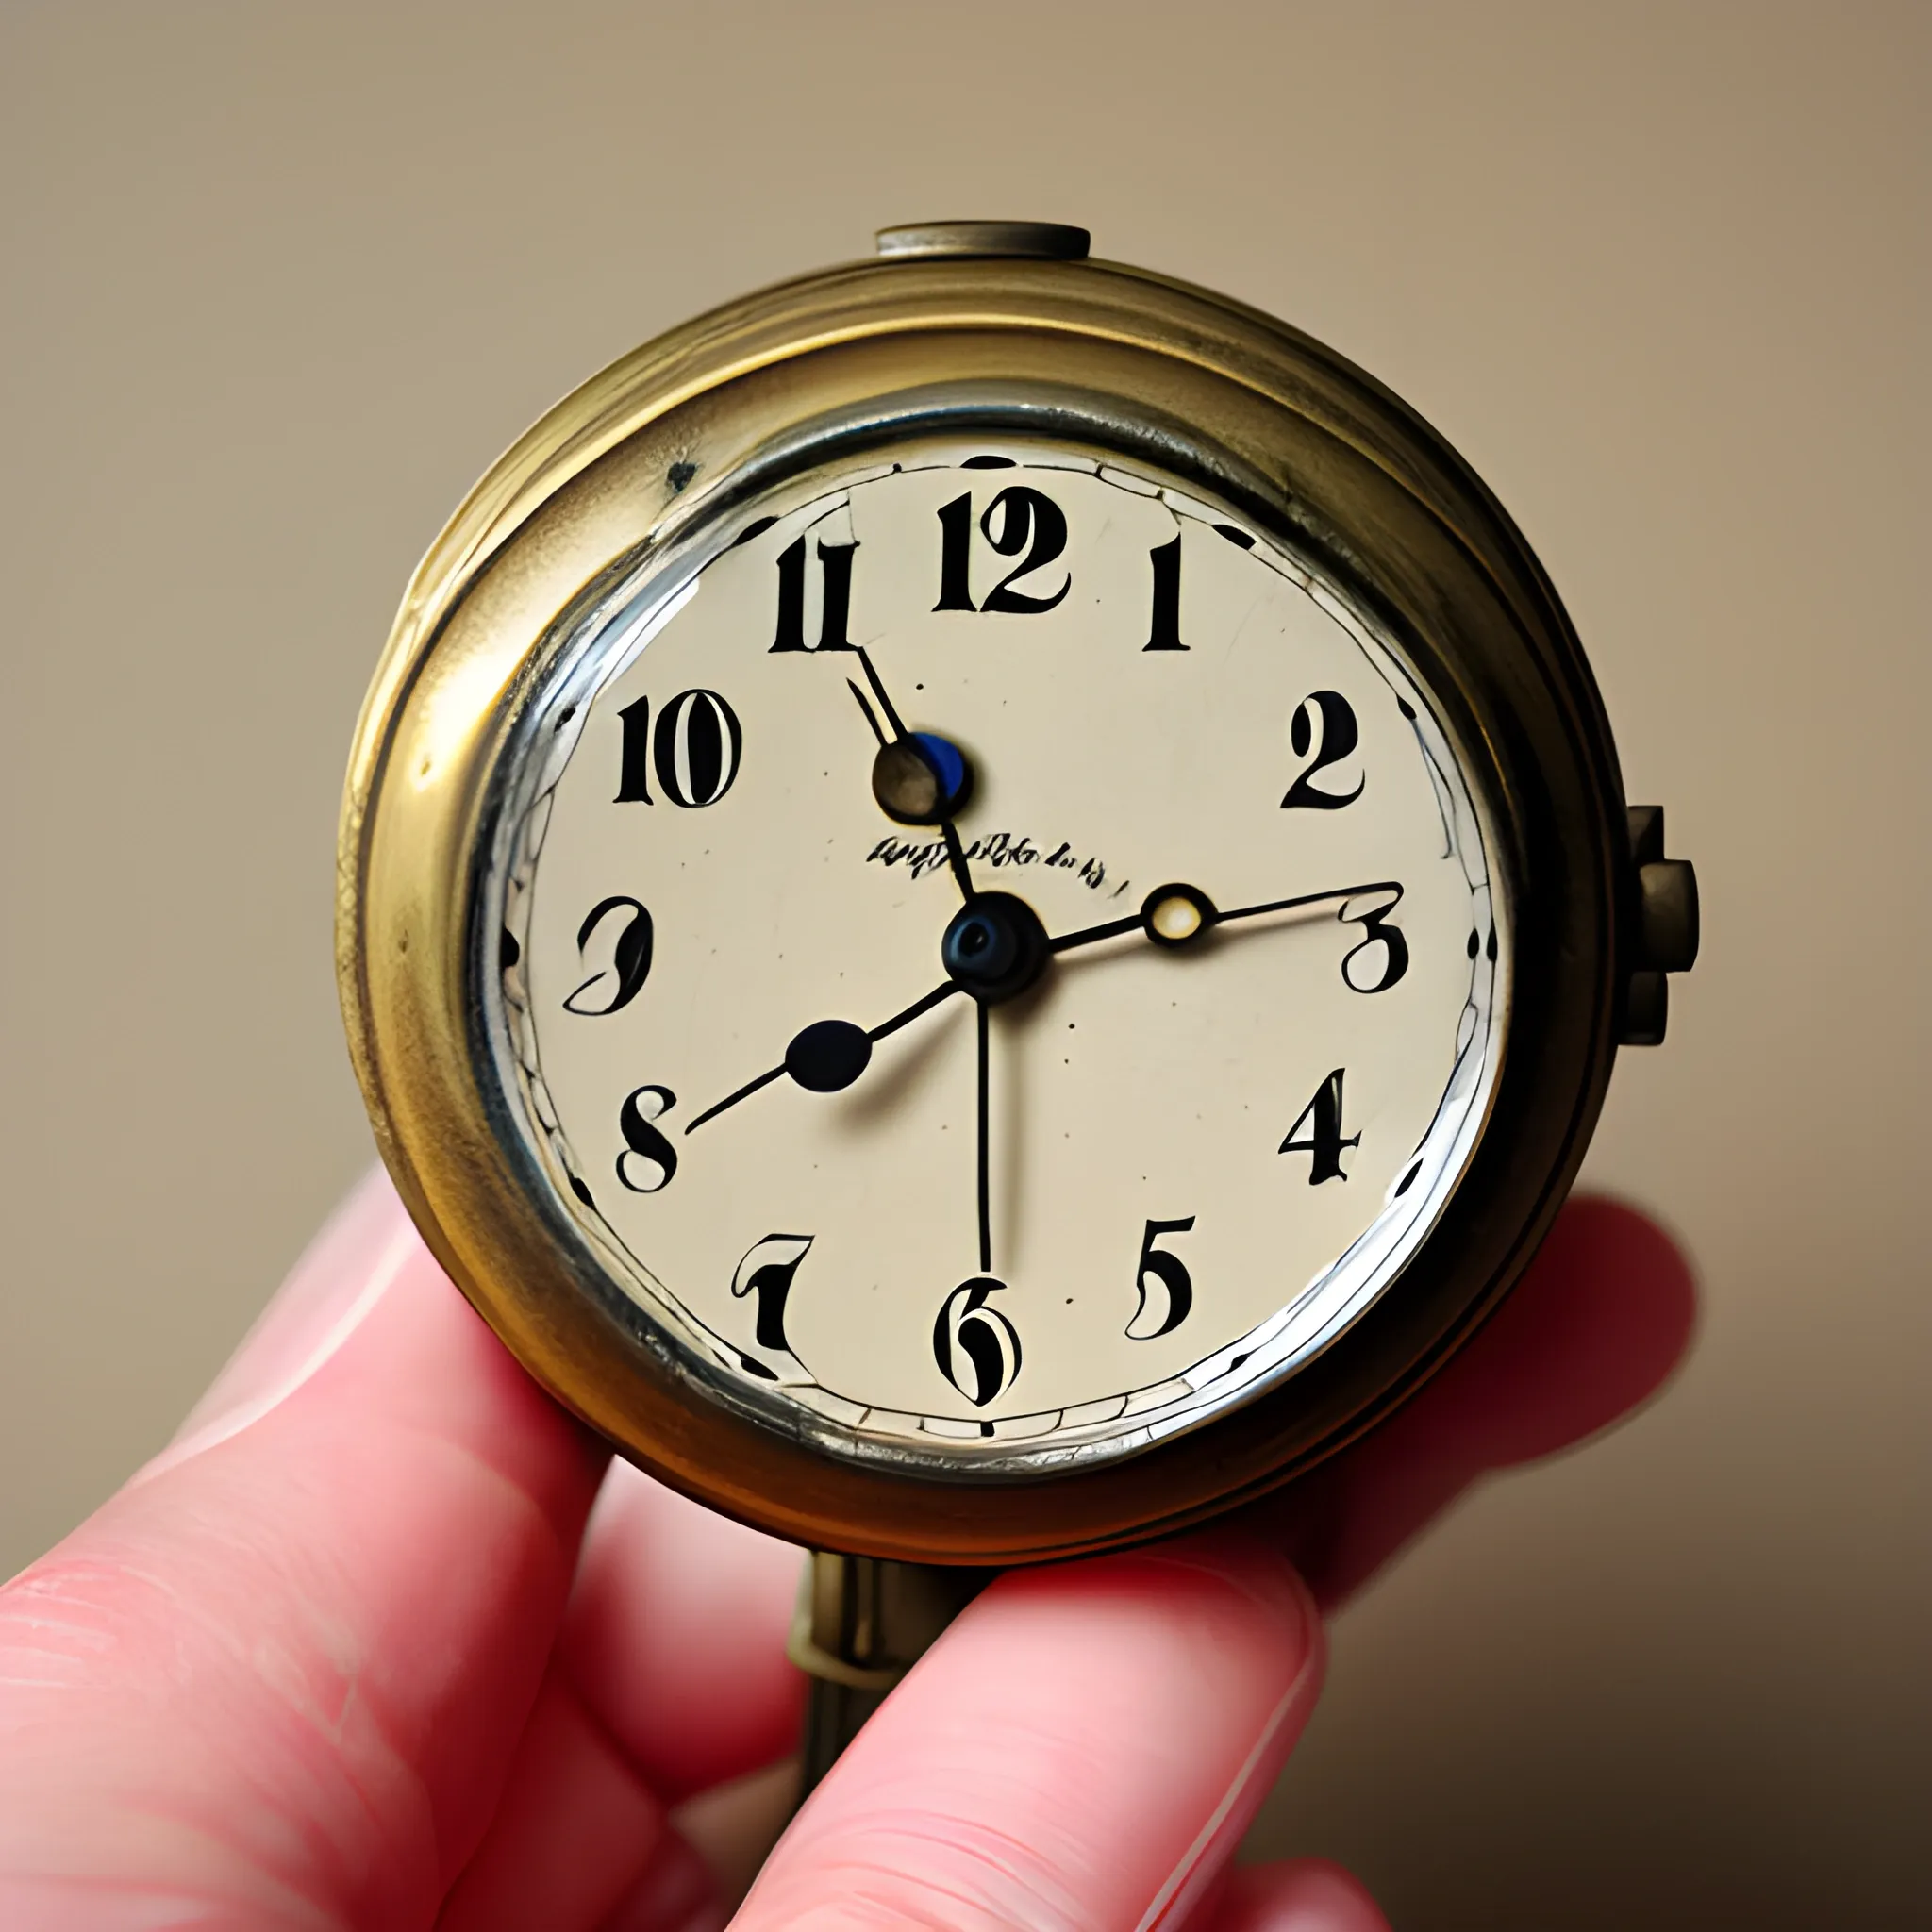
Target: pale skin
(386,1641)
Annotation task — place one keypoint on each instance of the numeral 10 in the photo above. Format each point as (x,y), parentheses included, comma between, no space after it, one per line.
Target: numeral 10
(695,750)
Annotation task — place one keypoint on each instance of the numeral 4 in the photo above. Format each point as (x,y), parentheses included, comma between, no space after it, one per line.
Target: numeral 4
(1322,1117)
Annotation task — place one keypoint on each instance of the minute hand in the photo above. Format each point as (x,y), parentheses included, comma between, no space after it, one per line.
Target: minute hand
(1178,915)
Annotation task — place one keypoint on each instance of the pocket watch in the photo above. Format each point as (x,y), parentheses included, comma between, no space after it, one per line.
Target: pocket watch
(985,904)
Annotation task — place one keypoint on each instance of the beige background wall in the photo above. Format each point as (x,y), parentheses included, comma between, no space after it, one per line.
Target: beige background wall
(279,281)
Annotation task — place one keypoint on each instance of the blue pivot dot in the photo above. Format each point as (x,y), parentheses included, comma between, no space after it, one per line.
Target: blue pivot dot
(949,765)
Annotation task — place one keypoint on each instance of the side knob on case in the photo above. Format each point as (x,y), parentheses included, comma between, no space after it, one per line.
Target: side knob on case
(1663,926)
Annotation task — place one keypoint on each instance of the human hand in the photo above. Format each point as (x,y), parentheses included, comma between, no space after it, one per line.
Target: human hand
(384,1640)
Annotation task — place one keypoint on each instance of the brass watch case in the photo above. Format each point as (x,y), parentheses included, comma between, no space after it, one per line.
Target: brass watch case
(1314,451)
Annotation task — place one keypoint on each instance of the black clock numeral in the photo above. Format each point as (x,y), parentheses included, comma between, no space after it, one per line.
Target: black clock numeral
(1167,1290)
(1322,1117)
(1031,526)
(1165,632)
(766,1273)
(1324,724)
(956,555)
(978,1349)
(695,750)
(648,1159)
(1390,962)
(835,563)
(627,944)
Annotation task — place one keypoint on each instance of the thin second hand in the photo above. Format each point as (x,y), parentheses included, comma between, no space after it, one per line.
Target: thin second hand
(956,857)
(985,1143)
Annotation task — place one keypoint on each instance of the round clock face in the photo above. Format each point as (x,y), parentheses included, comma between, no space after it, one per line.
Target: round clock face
(999,961)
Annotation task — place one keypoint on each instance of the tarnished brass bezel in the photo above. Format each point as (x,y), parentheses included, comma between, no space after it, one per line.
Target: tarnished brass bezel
(1299,440)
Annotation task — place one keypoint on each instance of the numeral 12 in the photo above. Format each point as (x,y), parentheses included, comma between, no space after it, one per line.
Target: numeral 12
(1029,524)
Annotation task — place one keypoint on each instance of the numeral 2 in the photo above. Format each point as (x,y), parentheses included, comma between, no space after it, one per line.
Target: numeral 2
(1324,724)
(694,750)
(766,1273)
(1167,1290)
(1029,522)
(1323,1145)
(616,983)
(977,1348)
(835,562)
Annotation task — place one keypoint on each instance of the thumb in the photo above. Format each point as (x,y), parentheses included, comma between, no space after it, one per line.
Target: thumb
(1083,1748)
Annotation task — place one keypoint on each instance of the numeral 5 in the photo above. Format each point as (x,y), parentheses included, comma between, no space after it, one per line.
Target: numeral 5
(1167,1290)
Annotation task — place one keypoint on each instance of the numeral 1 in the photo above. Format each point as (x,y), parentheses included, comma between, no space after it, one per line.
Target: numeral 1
(1323,1145)
(956,555)
(1164,633)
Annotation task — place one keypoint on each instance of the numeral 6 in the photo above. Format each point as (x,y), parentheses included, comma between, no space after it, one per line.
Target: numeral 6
(978,1349)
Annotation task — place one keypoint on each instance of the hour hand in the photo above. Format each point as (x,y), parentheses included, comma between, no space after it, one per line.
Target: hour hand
(829,1055)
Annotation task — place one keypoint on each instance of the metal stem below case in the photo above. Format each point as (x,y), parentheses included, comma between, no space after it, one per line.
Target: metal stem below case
(860,1625)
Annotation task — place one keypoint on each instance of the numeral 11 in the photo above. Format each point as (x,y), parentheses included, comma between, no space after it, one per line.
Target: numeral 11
(835,560)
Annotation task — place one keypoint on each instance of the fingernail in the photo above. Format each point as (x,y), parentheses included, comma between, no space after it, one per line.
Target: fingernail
(1269,1578)
(675,1894)
(341,1277)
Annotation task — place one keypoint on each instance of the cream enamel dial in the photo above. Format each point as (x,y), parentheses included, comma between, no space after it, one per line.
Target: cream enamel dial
(889,1199)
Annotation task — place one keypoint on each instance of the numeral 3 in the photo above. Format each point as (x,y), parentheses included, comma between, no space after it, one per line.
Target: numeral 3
(1383,951)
